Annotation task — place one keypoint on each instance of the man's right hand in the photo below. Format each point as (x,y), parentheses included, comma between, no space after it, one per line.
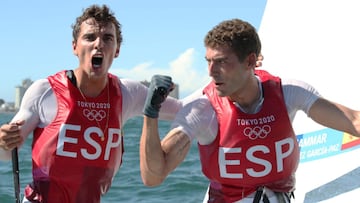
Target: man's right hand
(159,89)
(10,135)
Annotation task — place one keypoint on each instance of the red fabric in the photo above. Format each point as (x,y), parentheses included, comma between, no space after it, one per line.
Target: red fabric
(71,162)
(251,150)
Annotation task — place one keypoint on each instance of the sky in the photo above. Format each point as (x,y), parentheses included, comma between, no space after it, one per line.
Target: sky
(160,37)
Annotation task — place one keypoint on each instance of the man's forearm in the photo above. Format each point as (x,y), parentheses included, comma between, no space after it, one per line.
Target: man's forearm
(152,159)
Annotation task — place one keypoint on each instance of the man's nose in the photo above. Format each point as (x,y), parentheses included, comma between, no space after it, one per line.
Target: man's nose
(212,68)
(98,43)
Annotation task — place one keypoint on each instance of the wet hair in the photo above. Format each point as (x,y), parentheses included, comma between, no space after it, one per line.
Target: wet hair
(102,15)
(240,36)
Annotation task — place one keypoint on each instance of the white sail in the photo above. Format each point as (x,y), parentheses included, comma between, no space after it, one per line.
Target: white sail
(317,41)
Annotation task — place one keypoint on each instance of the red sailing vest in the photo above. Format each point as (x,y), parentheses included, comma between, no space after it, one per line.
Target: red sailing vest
(74,159)
(251,150)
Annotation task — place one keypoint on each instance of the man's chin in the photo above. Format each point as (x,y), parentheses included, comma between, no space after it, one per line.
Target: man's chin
(220,93)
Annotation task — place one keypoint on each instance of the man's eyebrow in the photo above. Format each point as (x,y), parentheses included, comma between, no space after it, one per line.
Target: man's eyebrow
(109,35)
(216,58)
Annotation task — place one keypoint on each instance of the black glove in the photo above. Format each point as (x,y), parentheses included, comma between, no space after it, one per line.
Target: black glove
(160,87)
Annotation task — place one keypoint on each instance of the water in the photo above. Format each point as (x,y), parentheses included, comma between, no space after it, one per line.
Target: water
(185,184)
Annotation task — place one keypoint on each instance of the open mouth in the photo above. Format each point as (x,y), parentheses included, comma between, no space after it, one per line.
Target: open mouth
(218,83)
(96,61)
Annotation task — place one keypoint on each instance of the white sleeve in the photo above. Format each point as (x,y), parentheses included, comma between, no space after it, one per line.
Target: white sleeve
(298,95)
(197,119)
(134,96)
(195,95)
(38,108)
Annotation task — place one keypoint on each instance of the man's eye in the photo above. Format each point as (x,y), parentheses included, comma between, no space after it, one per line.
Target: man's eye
(90,38)
(109,39)
(220,62)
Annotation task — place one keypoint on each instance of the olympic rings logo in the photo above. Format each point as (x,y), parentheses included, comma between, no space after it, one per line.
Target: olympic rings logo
(257,132)
(94,114)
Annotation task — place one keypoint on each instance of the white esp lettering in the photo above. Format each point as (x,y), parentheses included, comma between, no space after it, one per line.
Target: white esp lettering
(65,140)
(250,156)
(280,155)
(223,162)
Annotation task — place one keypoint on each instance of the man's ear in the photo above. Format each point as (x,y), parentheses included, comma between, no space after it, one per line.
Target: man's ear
(117,52)
(252,58)
(74,48)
